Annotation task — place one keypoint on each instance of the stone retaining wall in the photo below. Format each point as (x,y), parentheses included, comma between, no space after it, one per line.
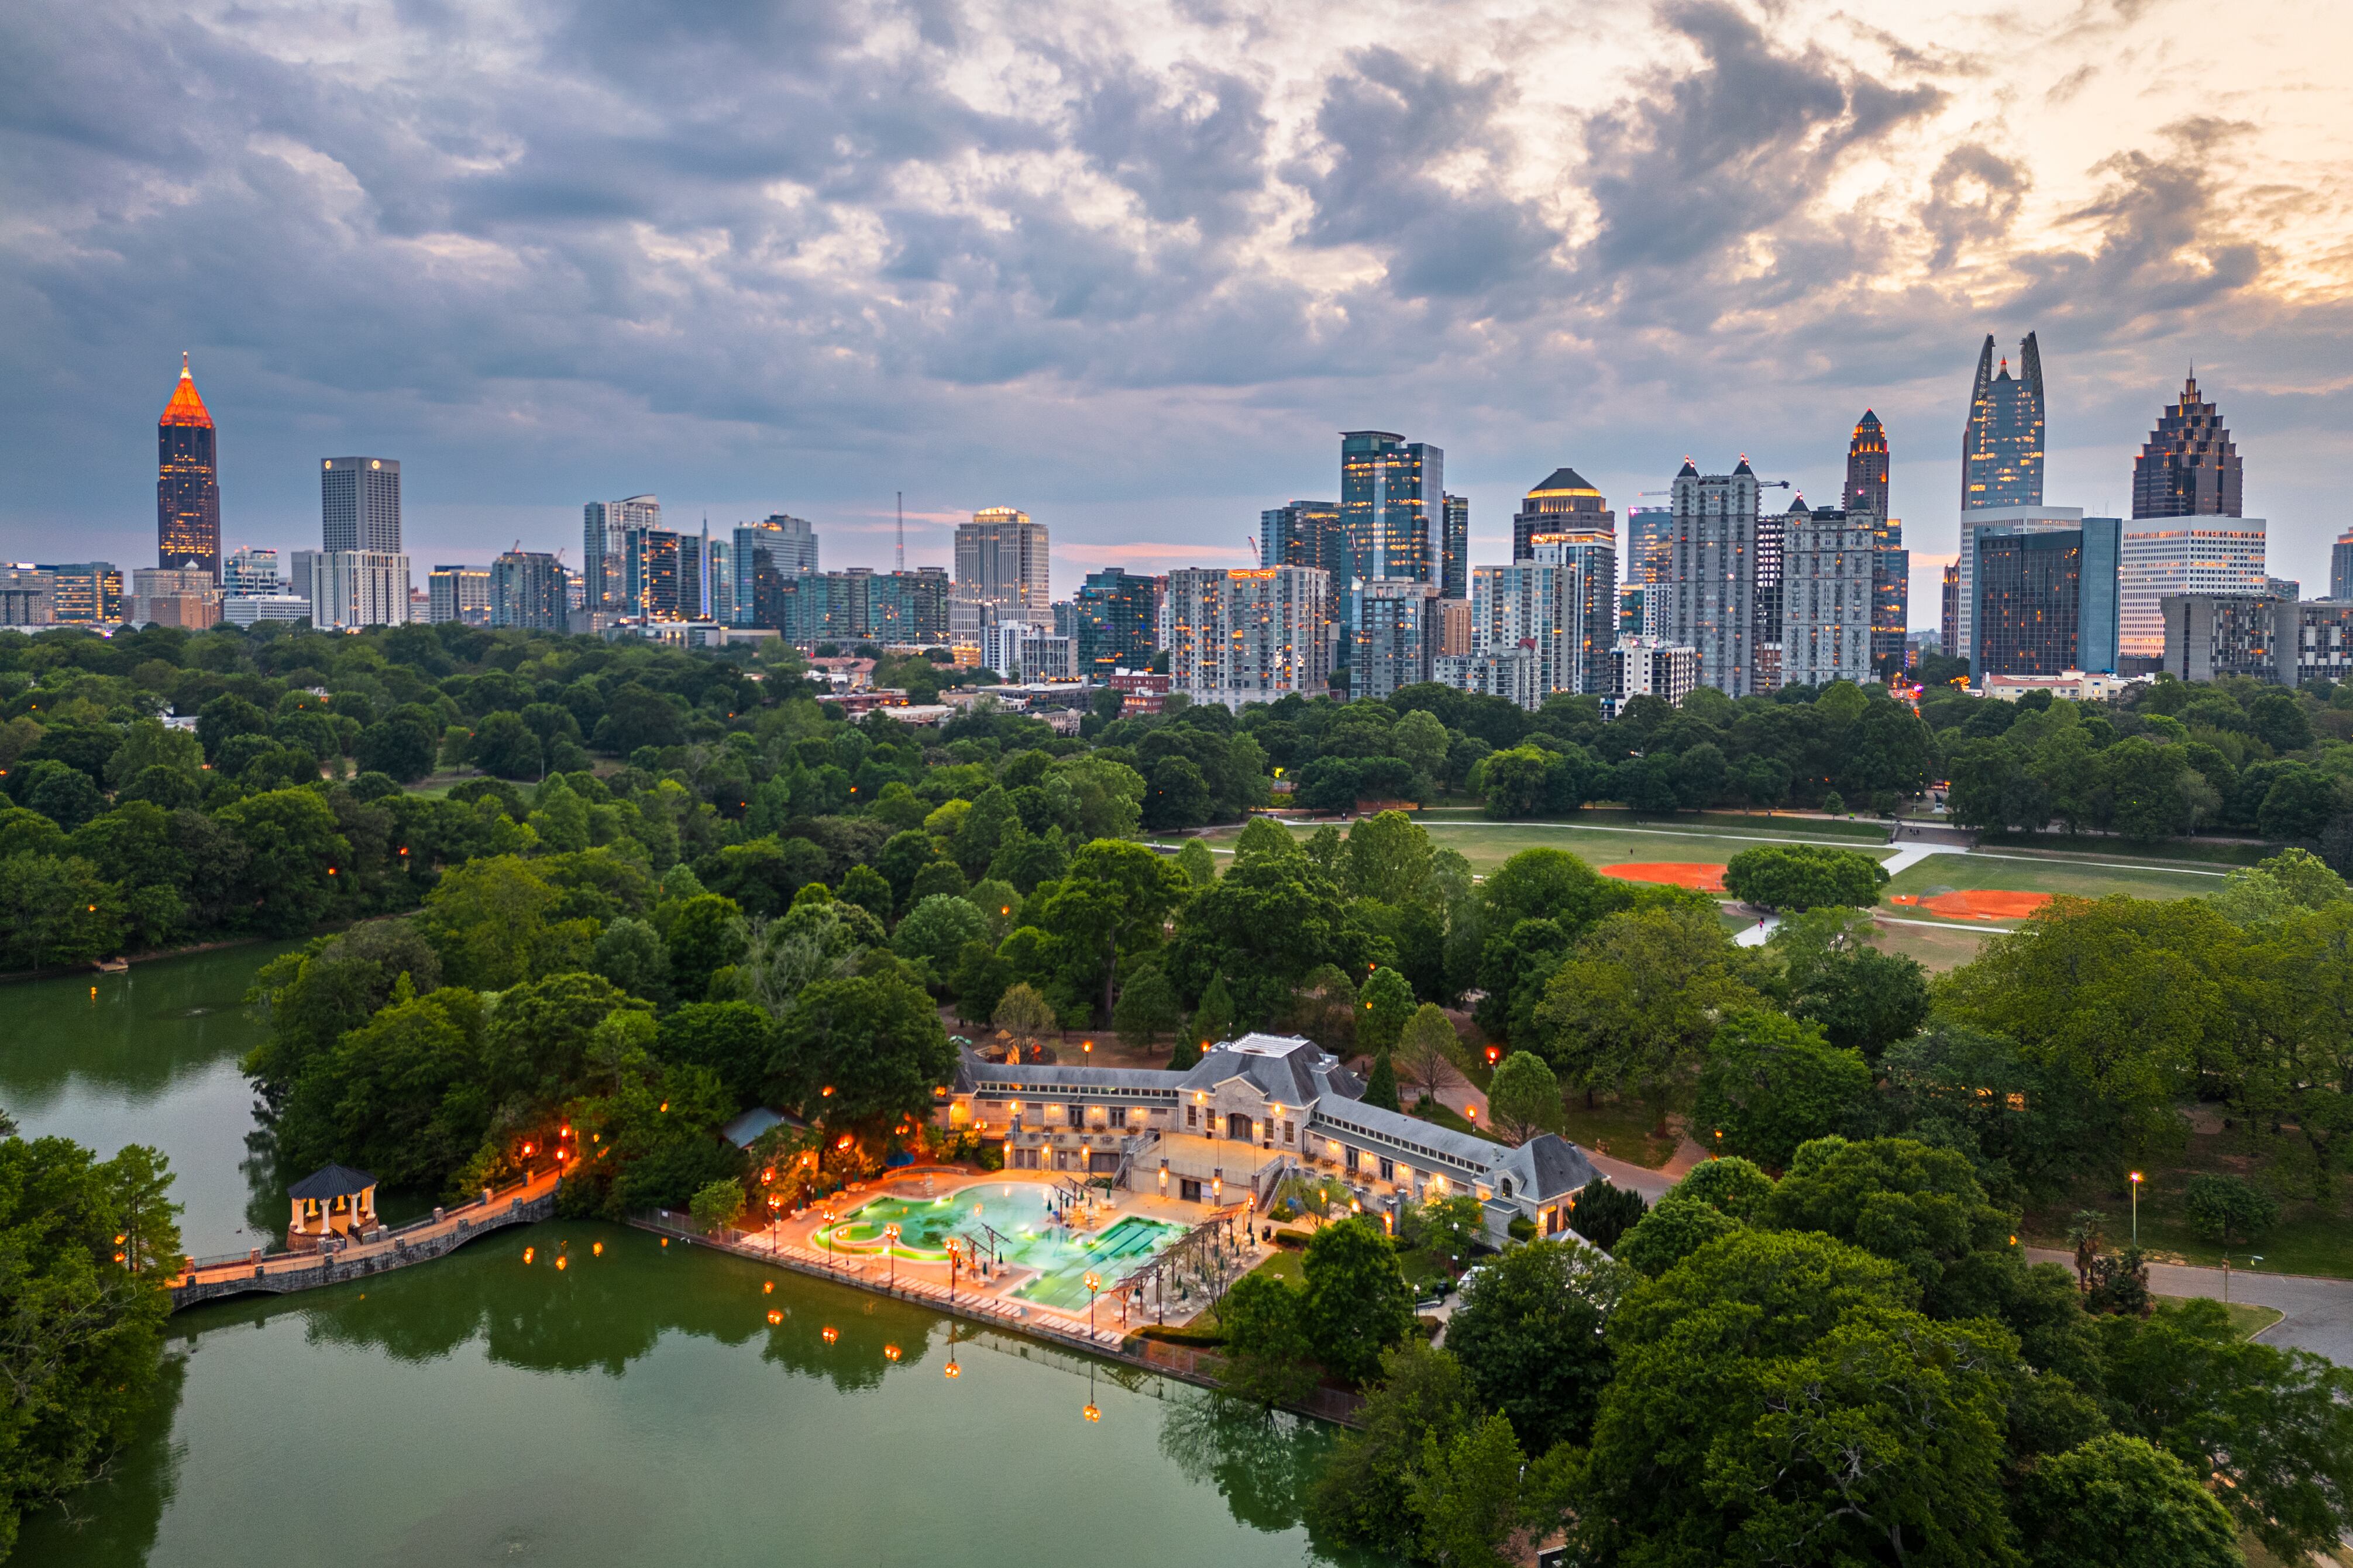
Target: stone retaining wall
(269,1276)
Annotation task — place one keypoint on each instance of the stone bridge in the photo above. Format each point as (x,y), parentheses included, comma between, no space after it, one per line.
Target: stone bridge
(277,1273)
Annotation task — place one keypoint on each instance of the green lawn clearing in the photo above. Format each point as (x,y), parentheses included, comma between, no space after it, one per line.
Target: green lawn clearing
(2309,1237)
(2245,1317)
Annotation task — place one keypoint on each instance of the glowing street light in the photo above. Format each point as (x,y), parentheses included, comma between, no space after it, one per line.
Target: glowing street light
(890,1246)
(2135,1178)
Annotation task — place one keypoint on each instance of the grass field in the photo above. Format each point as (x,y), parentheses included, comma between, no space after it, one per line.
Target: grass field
(2248,1320)
(2310,1238)
(1610,838)
(2014,872)
(1939,947)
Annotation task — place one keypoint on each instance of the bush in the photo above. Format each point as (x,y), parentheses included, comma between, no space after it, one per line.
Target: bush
(1602,1212)
(1293,1239)
(718,1204)
(1804,876)
(2229,1209)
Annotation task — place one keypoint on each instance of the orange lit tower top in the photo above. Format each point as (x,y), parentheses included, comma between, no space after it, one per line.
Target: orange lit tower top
(187,482)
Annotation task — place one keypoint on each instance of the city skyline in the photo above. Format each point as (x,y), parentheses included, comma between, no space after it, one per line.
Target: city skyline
(1201,233)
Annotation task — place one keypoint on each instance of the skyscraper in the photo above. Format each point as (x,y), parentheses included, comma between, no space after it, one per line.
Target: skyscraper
(250,572)
(2340,566)
(1113,613)
(1866,467)
(1238,637)
(2046,600)
(1563,503)
(1649,544)
(603,526)
(1001,574)
(459,593)
(1830,559)
(1454,552)
(1303,533)
(359,504)
(1392,507)
(1561,604)
(2186,535)
(2001,446)
(1948,624)
(187,483)
(1712,570)
(655,573)
(527,590)
(2188,465)
(766,555)
(1772,528)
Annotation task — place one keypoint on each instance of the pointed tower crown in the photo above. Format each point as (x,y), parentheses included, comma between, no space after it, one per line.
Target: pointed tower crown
(186,408)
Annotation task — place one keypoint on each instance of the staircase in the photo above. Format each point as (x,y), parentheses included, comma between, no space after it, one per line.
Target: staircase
(1130,1150)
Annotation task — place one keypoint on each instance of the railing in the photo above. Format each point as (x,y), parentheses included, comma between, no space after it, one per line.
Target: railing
(1266,1178)
(493,1201)
(1130,1150)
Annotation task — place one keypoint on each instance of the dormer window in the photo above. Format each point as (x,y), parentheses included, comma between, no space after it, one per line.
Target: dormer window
(1506,1188)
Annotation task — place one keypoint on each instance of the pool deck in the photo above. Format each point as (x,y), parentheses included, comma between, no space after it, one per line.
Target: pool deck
(793,1242)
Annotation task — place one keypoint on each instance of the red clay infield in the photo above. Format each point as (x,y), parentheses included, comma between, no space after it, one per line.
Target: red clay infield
(1978,904)
(1696,874)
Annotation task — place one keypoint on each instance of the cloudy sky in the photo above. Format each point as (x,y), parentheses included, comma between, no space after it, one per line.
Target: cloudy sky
(1132,266)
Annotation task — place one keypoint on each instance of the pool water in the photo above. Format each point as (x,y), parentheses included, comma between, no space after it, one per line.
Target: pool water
(1027,1236)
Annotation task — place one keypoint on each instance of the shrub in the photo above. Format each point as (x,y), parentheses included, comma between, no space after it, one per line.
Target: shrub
(1602,1212)
(2229,1209)
(1804,876)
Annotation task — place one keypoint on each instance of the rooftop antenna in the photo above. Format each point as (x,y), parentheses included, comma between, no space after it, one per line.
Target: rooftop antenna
(903,528)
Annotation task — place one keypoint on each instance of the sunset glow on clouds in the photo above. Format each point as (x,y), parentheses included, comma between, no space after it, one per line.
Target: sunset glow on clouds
(1131,267)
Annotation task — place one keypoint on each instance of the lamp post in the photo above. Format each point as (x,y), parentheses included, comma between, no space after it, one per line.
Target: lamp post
(891,1246)
(827,1233)
(2135,1208)
(1093,1283)
(955,1254)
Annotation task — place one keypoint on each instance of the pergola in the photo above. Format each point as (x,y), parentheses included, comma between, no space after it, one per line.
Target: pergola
(332,1200)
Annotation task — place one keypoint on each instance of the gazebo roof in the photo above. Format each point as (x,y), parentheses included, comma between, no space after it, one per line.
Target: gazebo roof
(331,1182)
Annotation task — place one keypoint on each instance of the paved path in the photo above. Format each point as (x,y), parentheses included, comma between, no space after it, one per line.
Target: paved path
(2319,1312)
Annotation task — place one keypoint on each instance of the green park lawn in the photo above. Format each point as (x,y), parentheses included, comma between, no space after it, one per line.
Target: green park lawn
(1938,947)
(2014,871)
(2309,1239)
(2246,1320)
(1608,838)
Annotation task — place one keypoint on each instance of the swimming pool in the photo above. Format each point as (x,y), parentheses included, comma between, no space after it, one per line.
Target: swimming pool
(1020,1214)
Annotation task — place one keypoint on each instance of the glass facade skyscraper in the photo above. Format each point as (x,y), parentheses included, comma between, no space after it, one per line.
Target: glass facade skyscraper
(1392,509)
(2188,467)
(1454,552)
(1563,503)
(187,483)
(1112,615)
(2002,447)
(2046,603)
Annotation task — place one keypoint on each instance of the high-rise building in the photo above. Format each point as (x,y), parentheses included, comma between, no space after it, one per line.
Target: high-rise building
(719,580)
(527,590)
(1653,667)
(2208,636)
(1457,628)
(653,574)
(250,572)
(1018,651)
(352,588)
(1250,635)
(1563,503)
(359,504)
(1573,650)
(2340,566)
(2045,600)
(2315,642)
(604,525)
(2193,554)
(1392,509)
(1771,528)
(1303,533)
(2188,467)
(1112,615)
(1866,467)
(1712,570)
(184,597)
(460,593)
(2002,445)
(764,557)
(1509,673)
(909,608)
(27,596)
(1891,592)
(1454,549)
(1393,637)
(1830,575)
(1001,574)
(187,482)
(1948,624)
(1989,522)
(1649,544)
(1527,608)
(86,593)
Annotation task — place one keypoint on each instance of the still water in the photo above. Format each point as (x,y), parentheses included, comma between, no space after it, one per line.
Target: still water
(641,1403)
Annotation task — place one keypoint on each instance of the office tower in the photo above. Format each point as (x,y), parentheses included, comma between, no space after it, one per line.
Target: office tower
(1587,560)
(1990,522)
(604,525)
(2315,642)
(188,597)
(250,572)
(1653,667)
(2188,467)
(2340,566)
(2002,445)
(1642,609)
(1948,624)
(1891,592)
(692,605)
(1712,570)
(1250,635)
(1112,611)
(86,593)
(1562,503)
(1771,526)
(359,504)
(2186,554)
(1649,544)
(460,594)
(527,591)
(1018,652)
(187,482)
(1829,577)
(1392,636)
(764,555)
(1866,467)
(719,582)
(1454,551)
(2045,600)
(248,610)
(2284,587)
(2208,636)
(351,588)
(1392,509)
(909,608)
(1000,575)
(27,596)
(1303,533)
(651,573)
(1509,673)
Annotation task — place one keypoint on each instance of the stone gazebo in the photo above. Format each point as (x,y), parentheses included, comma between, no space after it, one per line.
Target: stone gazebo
(333,1201)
